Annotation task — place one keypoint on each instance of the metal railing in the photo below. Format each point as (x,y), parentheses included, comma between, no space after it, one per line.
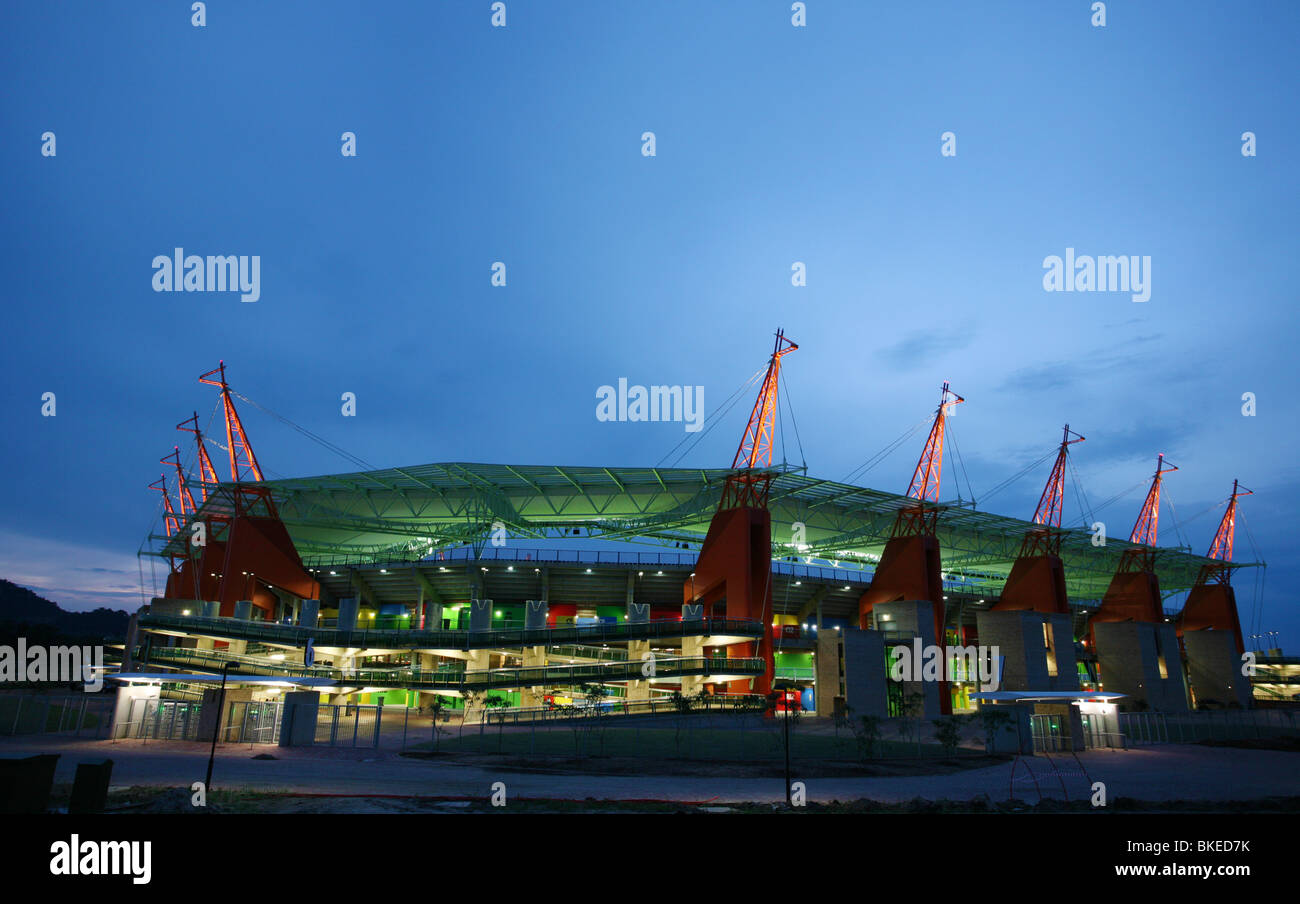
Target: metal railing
(460,679)
(467,555)
(654,706)
(275,632)
(583,651)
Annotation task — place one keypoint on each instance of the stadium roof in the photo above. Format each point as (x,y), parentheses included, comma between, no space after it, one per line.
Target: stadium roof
(406,514)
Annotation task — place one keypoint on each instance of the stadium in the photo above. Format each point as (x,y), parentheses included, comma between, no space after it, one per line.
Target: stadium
(531,589)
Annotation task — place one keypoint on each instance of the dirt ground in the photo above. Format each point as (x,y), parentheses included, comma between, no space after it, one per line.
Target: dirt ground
(614,765)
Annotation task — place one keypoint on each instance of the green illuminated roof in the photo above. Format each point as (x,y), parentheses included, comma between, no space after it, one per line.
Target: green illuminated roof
(397,514)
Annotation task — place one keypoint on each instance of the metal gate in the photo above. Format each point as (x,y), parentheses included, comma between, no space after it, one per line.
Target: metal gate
(242,722)
(349,724)
(1048,733)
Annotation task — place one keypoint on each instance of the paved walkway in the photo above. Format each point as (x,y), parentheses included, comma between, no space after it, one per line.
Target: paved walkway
(1169,772)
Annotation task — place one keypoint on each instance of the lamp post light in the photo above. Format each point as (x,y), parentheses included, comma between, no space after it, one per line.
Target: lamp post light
(780,687)
(230,666)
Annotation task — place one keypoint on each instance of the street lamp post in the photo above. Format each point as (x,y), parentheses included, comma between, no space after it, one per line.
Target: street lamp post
(780,687)
(229,667)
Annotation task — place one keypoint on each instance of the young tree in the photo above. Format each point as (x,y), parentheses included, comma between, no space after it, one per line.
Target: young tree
(436,708)
(947,732)
(913,711)
(840,716)
(866,733)
(593,696)
(992,719)
(495,702)
(682,703)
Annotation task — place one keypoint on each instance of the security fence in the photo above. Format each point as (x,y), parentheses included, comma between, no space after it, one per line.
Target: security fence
(255,722)
(80,715)
(351,725)
(1142,729)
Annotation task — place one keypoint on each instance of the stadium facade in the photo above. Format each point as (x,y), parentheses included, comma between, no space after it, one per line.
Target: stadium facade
(471,586)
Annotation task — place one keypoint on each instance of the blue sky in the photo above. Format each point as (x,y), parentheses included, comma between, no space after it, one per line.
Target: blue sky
(775,144)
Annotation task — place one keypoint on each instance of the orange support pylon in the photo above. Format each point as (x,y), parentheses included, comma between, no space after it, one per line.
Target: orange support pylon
(735,561)
(1212,604)
(255,552)
(1037,579)
(910,567)
(1134,591)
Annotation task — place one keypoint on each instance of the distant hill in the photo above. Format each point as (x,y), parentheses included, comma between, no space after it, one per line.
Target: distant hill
(24,614)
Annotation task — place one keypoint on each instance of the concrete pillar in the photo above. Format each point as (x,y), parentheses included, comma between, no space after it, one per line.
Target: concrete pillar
(692,648)
(535,615)
(638,613)
(348,609)
(864,672)
(692,611)
(638,651)
(309,613)
(298,718)
(534,658)
(210,608)
(1036,649)
(1214,670)
(1142,660)
(244,609)
(828,685)
(480,615)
